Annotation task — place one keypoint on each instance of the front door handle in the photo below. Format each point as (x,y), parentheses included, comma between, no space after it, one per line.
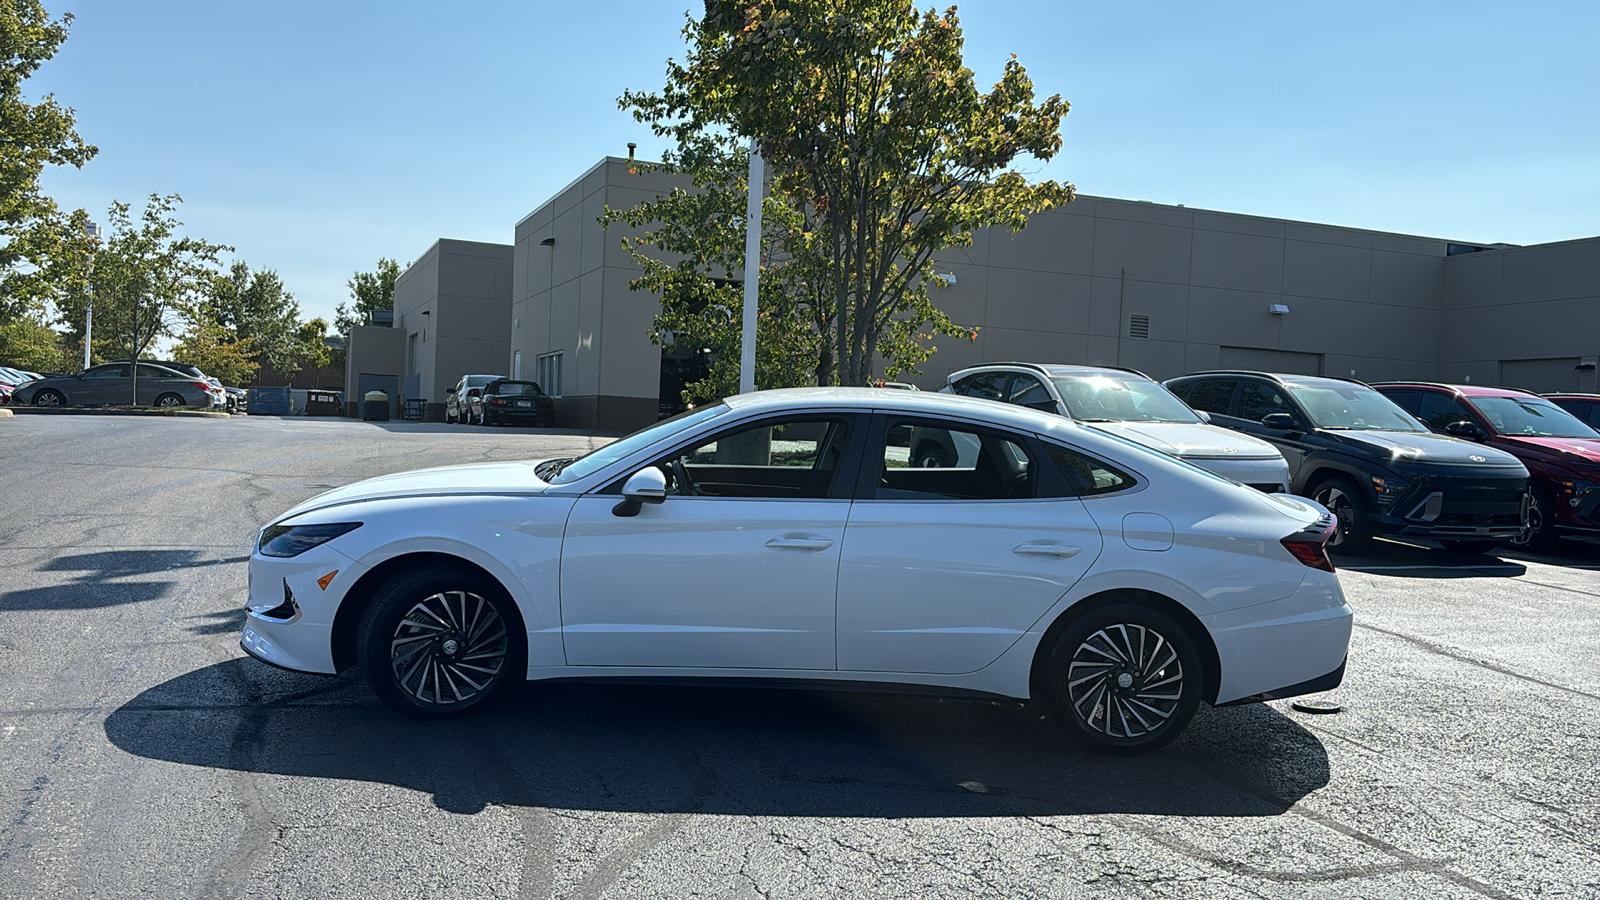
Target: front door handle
(1047,548)
(800,542)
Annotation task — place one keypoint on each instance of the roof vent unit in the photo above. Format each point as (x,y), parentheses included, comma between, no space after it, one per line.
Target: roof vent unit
(1139,327)
(382,317)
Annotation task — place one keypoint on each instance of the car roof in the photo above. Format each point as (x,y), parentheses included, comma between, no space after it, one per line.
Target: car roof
(927,403)
(1053,370)
(1571,395)
(1280,377)
(1465,390)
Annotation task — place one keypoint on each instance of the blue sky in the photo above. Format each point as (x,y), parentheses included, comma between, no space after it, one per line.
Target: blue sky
(316,137)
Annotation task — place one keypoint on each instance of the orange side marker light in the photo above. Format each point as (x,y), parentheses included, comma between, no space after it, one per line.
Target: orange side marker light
(323,581)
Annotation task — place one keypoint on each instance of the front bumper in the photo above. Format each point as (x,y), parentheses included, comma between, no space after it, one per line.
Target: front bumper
(1457,507)
(289,614)
(1291,646)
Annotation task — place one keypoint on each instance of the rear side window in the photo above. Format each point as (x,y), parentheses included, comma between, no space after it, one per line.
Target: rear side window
(1088,476)
(988,385)
(1212,395)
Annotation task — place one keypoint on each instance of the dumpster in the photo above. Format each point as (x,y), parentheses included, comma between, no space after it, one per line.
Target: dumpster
(375,406)
(269,401)
(322,403)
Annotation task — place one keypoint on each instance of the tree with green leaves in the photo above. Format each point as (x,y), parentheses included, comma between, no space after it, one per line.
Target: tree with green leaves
(218,352)
(878,140)
(255,307)
(145,278)
(369,293)
(32,136)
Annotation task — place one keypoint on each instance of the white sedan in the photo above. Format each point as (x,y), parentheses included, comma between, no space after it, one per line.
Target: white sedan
(781,536)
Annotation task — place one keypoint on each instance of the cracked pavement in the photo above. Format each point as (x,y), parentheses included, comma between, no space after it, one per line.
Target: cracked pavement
(141,755)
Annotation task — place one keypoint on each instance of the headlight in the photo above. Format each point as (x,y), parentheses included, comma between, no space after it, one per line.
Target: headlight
(1389,488)
(292,540)
(1575,490)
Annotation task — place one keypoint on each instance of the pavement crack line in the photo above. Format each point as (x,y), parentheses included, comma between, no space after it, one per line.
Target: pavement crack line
(1474,661)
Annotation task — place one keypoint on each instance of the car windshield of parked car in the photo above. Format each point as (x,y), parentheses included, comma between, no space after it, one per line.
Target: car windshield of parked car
(1531,417)
(513,389)
(594,461)
(1353,407)
(1109,398)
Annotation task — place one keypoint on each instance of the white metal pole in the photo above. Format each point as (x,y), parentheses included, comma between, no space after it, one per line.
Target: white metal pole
(752,272)
(88,329)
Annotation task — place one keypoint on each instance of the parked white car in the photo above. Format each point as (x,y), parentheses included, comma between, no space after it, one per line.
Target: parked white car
(1122,402)
(781,536)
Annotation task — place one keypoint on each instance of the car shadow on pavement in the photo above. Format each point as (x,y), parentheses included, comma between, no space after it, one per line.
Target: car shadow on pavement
(658,749)
(98,579)
(1403,560)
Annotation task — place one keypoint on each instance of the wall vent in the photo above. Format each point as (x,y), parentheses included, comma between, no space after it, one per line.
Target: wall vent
(1139,327)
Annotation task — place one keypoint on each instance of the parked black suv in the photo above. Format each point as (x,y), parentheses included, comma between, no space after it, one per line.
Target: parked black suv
(1366,459)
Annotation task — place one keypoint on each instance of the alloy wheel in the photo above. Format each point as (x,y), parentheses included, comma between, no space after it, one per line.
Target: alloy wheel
(1125,681)
(1532,528)
(169,401)
(449,648)
(47,398)
(1338,503)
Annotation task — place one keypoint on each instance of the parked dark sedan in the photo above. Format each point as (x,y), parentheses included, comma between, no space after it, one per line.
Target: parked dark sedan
(506,400)
(1561,453)
(111,384)
(1375,466)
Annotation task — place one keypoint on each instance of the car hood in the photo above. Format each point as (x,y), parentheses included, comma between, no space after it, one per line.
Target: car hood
(1423,447)
(1585,449)
(475,478)
(1191,441)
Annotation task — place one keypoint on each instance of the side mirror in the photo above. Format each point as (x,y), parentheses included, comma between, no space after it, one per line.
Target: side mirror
(1280,421)
(451,391)
(1464,429)
(1204,416)
(648,485)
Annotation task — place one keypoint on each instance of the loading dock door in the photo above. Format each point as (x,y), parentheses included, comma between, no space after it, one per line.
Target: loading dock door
(1281,361)
(1544,376)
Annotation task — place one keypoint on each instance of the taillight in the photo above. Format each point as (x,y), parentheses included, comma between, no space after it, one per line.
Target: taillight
(201,385)
(1310,544)
(497,402)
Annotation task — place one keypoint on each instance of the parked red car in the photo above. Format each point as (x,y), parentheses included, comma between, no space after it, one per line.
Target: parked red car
(1561,452)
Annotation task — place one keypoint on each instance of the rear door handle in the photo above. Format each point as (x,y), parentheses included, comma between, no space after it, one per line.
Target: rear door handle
(800,542)
(1046,548)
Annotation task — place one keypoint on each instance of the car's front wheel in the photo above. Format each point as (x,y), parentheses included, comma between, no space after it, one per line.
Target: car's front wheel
(1123,679)
(1342,499)
(440,642)
(1541,536)
(49,398)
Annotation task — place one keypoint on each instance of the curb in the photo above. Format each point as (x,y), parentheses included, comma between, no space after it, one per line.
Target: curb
(114,411)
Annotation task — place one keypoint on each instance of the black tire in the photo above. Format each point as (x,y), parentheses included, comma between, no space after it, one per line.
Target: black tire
(449,417)
(170,401)
(929,456)
(485,419)
(49,398)
(1354,534)
(1141,647)
(1541,536)
(1470,548)
(442,621)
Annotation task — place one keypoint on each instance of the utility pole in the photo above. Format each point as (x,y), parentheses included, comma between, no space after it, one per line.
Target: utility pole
(752,272)
(88,286)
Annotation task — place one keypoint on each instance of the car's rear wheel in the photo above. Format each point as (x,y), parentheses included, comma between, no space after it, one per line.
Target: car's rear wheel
(1123,679)
(1342,499)
(49,398)
(169,401)
(441,642)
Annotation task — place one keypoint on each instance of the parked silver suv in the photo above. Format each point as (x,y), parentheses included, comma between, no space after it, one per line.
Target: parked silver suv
(1122,402)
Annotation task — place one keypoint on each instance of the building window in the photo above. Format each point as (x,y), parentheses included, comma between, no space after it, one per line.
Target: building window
(549,373)
(516,365)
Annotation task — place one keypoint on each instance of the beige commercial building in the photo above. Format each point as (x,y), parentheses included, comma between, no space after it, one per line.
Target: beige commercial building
(1164,289)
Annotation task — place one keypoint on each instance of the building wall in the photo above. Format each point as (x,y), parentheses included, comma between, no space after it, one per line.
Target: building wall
(1067,289)
(1524,317)
(464,287)
(371,350)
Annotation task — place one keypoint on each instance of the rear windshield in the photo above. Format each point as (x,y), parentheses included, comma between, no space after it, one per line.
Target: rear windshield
(479,380)
(514,389)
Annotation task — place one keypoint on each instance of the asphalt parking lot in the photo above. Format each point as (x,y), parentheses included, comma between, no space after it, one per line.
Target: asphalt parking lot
(142,755)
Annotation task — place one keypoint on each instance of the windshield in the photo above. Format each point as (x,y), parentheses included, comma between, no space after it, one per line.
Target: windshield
(1115,398)
(1531,417)
(1352,406)
(598,459)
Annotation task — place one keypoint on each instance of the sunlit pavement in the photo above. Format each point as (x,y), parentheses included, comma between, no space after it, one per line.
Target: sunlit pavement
(142,756)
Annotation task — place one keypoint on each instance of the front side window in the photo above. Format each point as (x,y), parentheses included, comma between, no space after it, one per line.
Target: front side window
(1531,417)
(1438,410)
(1117,398)
(1257,400)
(107,372)
(1351,407)
(944,463)
(784,459)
